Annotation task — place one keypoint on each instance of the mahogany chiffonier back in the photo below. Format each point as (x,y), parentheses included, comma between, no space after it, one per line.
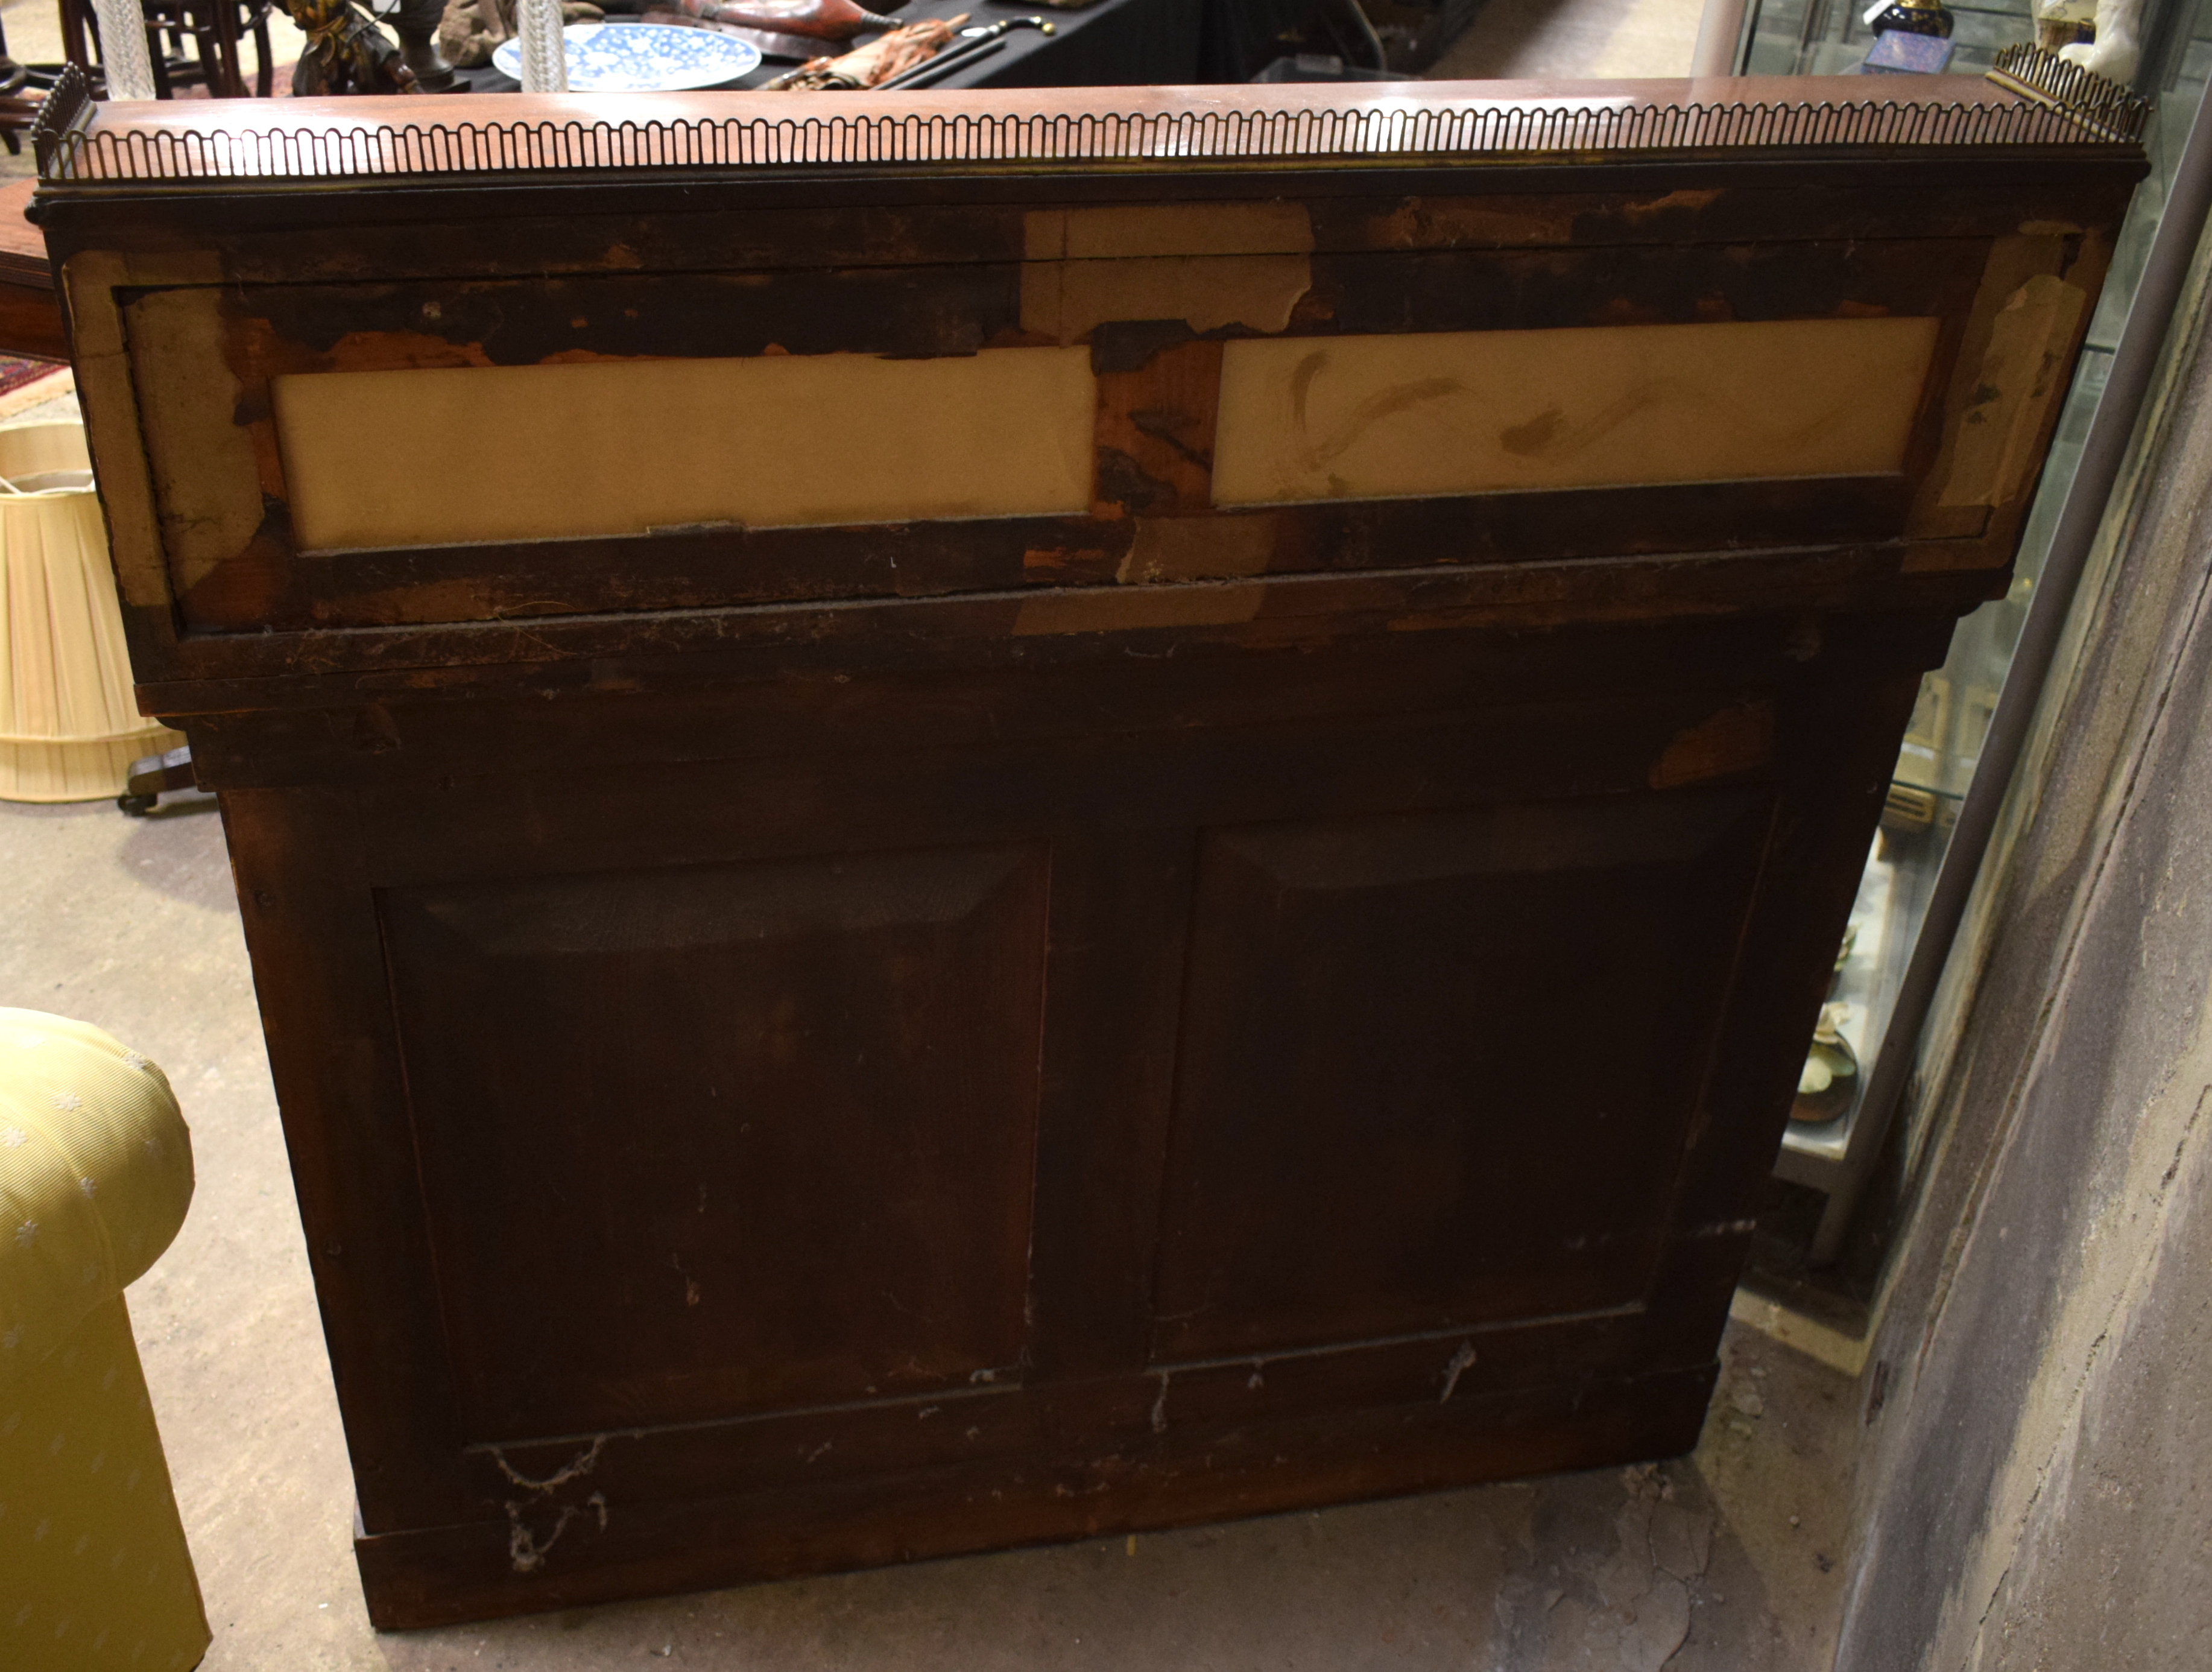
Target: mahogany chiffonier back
(972,819)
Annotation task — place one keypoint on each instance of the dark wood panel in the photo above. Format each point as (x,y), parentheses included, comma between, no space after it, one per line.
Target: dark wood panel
(311,928)
(31,322)
(1834,759)
(726,1139)
(1120,902)
(1110,789)
(1430,1072)
(936,310)
(1696,282)
(1114,918)
(696,710)
(950,308)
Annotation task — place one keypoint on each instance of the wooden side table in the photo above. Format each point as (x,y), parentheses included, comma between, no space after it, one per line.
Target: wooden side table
(30,307)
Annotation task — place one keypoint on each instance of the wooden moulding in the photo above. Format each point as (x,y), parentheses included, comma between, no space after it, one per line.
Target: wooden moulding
(446,1575)
(534,133)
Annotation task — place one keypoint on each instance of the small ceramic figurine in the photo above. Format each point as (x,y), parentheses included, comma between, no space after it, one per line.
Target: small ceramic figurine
(345,51)
(2105,36)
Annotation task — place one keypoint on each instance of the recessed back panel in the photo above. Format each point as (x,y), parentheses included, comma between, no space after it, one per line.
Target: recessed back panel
(727,1138)
(1436,1068)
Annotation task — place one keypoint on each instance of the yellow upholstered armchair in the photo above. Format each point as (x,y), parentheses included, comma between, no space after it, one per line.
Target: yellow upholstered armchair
(96,1173)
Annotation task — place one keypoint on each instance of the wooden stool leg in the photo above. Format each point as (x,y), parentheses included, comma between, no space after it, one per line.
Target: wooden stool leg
(74,16)
(234,57)
(157,50)
(204,65)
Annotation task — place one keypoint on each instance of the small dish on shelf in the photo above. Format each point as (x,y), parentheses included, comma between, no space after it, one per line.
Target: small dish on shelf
(642,57)
(1828,1085)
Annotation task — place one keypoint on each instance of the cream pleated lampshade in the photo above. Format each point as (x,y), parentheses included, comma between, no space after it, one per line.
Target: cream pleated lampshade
(68,726)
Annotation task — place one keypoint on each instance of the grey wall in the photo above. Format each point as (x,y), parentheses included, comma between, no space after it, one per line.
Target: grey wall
(2036,1490)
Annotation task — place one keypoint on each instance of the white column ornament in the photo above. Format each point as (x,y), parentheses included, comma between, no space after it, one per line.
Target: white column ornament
(545,58)
(122,49)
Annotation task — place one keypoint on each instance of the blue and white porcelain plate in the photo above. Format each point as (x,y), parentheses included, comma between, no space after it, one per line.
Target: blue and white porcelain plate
(642,57)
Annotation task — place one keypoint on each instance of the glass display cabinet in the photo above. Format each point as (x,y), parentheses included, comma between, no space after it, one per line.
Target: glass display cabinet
(1825,1144)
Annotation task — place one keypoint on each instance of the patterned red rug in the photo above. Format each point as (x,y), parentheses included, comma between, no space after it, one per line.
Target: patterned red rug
(26,383)
(18,370)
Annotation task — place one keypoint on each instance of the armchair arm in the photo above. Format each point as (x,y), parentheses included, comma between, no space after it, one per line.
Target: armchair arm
(95,1174)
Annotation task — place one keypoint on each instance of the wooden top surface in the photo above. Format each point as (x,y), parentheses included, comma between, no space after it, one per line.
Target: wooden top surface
(23,247)
(292,138)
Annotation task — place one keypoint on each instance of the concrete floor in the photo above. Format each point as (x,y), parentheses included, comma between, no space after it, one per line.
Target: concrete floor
(1729,1559)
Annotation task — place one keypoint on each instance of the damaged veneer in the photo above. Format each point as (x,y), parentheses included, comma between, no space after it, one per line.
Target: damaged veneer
(1142,367)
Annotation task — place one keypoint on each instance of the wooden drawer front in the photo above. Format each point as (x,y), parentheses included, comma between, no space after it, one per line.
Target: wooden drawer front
(327,455)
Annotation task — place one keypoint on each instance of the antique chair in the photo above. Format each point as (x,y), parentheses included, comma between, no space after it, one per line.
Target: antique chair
(96,1173)
(15,111)
(217,30)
